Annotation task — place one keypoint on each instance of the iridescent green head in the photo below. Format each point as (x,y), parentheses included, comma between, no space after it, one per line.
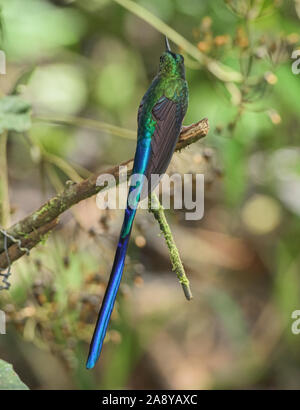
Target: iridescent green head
(171,64)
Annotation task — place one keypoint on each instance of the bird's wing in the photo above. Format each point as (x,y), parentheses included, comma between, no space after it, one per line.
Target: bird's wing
(168,115)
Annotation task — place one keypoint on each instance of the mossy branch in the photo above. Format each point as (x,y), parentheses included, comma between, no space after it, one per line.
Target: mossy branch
(157,209)
(29,241)
(76,192)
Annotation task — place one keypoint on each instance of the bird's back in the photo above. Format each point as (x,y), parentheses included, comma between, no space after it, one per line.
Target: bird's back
(160,117)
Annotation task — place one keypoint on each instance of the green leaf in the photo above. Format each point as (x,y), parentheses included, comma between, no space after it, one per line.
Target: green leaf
(14,114)
(9,380)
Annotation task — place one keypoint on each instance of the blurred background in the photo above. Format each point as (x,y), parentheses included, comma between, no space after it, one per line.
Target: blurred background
(83,66)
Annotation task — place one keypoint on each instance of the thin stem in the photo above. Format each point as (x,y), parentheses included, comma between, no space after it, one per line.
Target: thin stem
(63,165)
(158,211)
(54,179)
(4,194)
(219,70)
(89,123)
(59,162)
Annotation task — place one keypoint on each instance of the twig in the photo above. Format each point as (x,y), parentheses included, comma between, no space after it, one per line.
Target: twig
(14,252)
(158,211)
(76,192)
(14,240)
(5,270)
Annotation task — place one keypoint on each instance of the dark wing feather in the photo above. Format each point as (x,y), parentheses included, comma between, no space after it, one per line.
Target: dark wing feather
(168,116)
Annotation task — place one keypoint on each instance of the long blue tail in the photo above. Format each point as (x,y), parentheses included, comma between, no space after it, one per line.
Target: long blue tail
(111,290)
(140,163)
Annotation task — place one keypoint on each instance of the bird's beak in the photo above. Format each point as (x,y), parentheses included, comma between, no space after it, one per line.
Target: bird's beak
(167,44)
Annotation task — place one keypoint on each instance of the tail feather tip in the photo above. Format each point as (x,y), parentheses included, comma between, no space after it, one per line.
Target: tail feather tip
(90,363)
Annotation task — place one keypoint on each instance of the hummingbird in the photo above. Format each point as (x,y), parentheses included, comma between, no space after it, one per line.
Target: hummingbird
(159,121)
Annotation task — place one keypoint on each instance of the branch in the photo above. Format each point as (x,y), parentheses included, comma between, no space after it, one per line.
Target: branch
(159,214)
(15,252)
(76,192)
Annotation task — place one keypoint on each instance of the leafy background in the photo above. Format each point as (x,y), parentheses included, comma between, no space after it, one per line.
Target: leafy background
(83,64)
